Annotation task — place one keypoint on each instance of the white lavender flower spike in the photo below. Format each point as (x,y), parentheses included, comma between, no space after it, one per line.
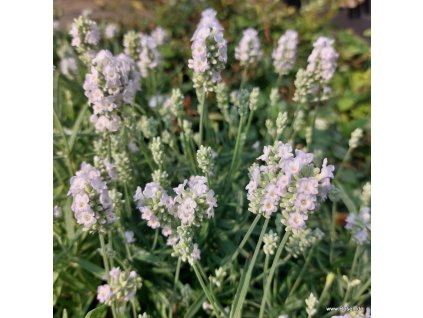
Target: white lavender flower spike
(285,53)
(322,60)
(121,288)
(92,205)
(209,52)
(85,37)
(249,51)
(289,182)
(112,82)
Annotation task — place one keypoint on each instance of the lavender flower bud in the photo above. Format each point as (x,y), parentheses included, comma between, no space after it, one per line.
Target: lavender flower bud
(356,135)
(270,241)
(311,303)
(156,148)
(206,160)
(254,98)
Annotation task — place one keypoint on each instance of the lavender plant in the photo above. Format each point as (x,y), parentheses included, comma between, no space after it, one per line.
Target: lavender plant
(245,234)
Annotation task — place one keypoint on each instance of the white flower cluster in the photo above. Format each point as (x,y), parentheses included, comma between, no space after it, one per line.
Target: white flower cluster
(301,240)
(270,241)
(112,81)
(356,135)
(111,31)
(290,182)
(68,66)
(209,51)
(312,83)
(219,276)
(311,303)
(143,48)
(121,288)
(159,35)
(92,205)
(85,37)
(149,57)
(248,51)
(359,224)
(178,216)
(285,53)
(322,60)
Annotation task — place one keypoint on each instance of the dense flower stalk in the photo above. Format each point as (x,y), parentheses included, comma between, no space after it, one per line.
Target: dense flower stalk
(92,205)
(209,52)
(112,82)
(121,288)
(249,51)
(285,53)
(85,37)
(289,182)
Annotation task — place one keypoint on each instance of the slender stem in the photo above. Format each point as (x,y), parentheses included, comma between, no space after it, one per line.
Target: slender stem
(354,263)
(106,267)
(266,269)
(301,274)
(344,160)
(313,124)
(134,310)
(208,293)
(246,237)
(201,95)
(272,272)
(241,299)
(332,232)
(175,282)
(103,254)
(156,236)
(235,153)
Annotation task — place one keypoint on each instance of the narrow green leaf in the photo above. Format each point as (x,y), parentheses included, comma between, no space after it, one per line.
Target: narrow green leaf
(346,199)
(77,126)
(246,284)
(193,309)
(91,267)
(99,312)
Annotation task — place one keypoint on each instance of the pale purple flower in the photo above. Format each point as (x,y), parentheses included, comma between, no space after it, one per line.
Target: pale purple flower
(285,53)
(297,220)
(322,60)
(104,293)
(196,253)
(129,236)
(248,51)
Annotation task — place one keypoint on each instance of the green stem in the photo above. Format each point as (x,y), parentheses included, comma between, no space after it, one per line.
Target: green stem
(266,269)
(246,237)
(272,272)
(235,153)
(244,289)
(313,123)
(175,282)
(347,293)
(106,266)
(332,232)
(208,293)
(344,160)
(156,236)
(134,310)
(201,95)
(301,274)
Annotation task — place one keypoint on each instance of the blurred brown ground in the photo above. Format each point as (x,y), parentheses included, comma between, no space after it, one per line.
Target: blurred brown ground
(122,10)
